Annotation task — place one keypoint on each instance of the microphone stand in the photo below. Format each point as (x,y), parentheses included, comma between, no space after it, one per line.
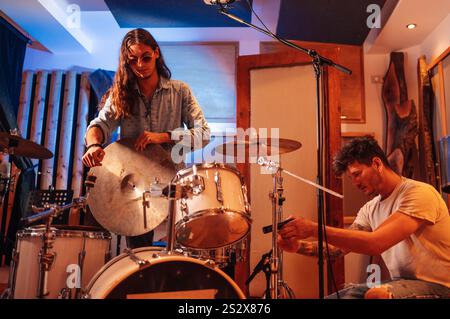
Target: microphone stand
(318,62)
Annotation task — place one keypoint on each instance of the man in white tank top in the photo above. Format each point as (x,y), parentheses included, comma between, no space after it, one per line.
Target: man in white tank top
(407,222)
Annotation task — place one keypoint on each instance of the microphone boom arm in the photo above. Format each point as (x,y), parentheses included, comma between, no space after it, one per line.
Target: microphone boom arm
(312,53)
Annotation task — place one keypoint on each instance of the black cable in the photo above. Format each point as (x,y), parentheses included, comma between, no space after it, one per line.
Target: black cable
(329,259)
(267,29)
(256,15)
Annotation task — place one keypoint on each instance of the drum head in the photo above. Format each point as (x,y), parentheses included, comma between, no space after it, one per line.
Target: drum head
(212,229)
(164,277)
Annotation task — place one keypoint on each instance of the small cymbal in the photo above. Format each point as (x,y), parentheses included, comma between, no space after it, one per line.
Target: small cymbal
(267,147)
(16,145)
(116,199)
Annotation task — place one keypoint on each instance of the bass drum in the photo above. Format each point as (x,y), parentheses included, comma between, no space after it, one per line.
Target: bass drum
(150,273)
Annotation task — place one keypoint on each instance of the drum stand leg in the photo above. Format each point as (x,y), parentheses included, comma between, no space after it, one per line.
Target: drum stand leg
(285,291)
(81,256)
(173,194)
(46,258)
(276,261)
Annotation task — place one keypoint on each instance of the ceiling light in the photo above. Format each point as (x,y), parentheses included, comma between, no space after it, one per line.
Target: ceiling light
(411,26)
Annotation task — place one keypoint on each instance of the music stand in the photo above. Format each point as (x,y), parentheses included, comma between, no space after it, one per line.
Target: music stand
(45,198)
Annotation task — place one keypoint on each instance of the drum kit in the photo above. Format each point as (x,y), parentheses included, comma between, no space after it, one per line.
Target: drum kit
(208,220)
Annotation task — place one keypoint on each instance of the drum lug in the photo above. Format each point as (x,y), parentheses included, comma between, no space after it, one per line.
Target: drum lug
(246,203)
(210,263)
(185,209)
(15,256)
(218,181)
(136,259)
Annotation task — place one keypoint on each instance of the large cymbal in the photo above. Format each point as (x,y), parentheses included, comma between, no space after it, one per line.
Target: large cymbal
(13,144)
(116,199)
(267,147)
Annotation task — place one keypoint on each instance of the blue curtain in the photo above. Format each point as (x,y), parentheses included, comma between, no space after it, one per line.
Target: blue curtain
(12,54)
(101,80)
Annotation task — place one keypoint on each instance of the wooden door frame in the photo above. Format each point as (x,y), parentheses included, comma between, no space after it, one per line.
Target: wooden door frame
(332,134)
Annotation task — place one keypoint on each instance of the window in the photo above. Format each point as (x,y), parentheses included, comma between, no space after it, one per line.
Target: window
(210,70)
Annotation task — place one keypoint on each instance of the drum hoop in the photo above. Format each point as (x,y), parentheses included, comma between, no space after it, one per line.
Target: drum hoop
(229,246)
(61,233)
(217,211)
(116,259)
(163,257)
(183,173)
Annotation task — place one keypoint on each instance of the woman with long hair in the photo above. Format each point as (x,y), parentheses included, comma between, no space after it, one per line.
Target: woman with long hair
(147,105)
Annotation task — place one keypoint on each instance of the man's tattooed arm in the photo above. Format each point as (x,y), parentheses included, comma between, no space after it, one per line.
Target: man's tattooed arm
(311,248)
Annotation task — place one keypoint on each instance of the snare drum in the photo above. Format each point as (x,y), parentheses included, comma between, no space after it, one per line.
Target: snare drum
(72,244)
(219,215)
(150,273)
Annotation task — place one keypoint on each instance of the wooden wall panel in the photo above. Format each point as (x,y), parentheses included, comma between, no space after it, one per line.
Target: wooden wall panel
(24,102)
(56,122)
(51,129)
(65,137)
(38,109)
(81,125)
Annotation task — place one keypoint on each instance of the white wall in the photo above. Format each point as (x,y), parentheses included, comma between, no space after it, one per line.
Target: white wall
(374,65)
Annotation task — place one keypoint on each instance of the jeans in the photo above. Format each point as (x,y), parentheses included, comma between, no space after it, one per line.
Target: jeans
(400,289)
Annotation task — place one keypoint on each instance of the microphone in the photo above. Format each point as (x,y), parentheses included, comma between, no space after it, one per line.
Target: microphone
(218,2)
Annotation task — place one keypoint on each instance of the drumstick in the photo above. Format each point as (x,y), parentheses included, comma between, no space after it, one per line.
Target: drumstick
(268,229)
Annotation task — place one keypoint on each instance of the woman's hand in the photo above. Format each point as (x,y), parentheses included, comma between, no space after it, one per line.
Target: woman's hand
(93,156)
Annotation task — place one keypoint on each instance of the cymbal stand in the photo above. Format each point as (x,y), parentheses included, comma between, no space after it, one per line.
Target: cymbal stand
(277,213)
(276,261)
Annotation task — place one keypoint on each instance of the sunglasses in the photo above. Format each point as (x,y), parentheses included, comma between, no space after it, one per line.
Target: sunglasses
(146,58)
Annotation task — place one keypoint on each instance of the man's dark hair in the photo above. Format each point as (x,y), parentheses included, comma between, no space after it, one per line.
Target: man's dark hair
(360,149)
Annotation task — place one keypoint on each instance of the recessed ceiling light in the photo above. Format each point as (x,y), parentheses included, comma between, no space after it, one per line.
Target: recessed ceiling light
(411,26)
